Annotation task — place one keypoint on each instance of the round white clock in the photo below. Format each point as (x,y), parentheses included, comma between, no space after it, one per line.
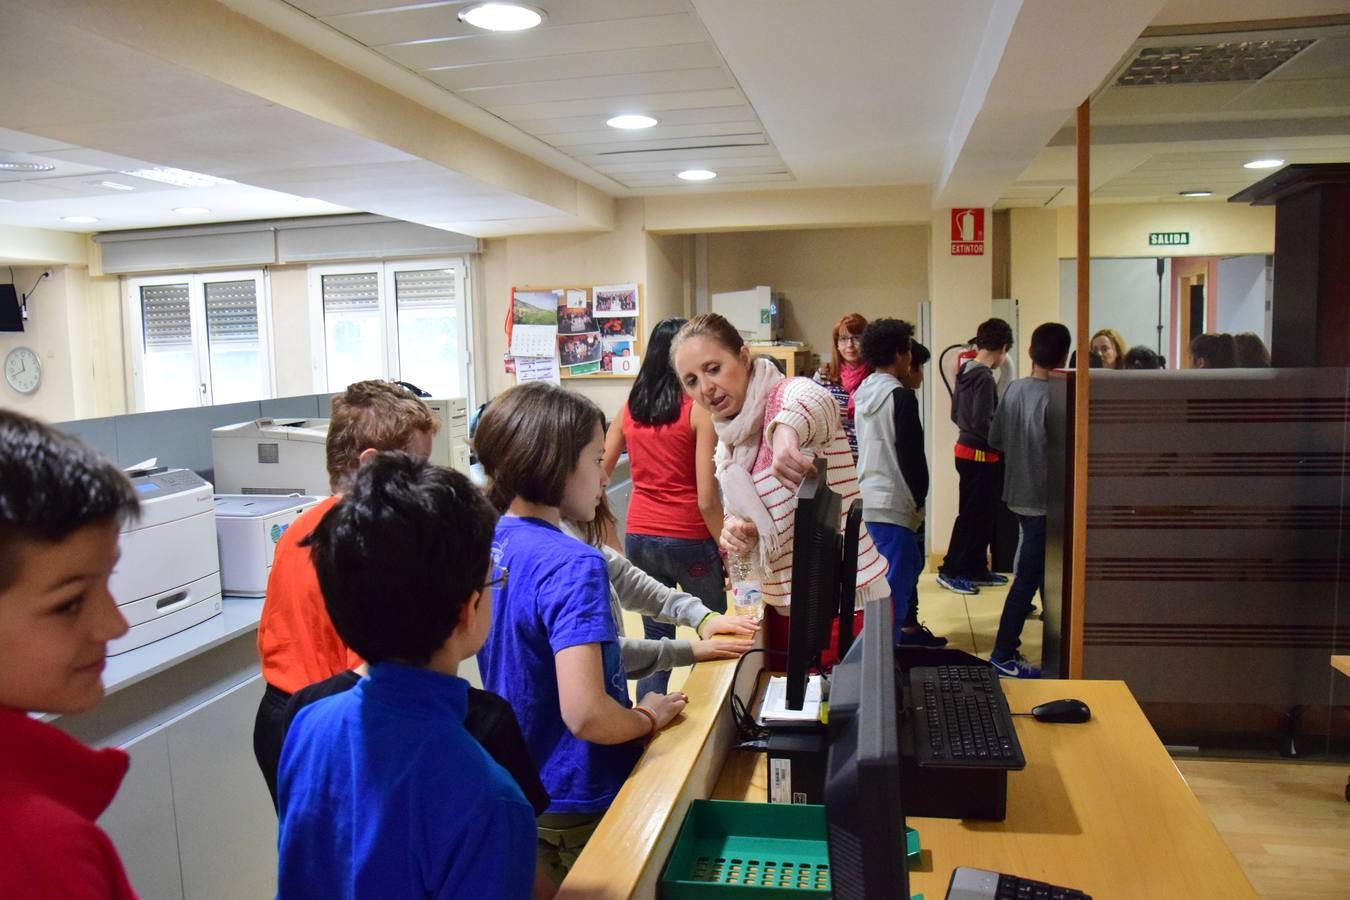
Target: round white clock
(23,370)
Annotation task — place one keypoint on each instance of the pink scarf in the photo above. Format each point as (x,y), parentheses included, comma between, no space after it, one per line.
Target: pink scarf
(850,376)
(738,441)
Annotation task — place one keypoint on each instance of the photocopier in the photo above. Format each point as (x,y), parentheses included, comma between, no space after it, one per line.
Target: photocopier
(168,577)
(271,456)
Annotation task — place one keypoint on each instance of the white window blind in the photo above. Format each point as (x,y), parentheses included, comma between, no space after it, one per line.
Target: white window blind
(232,312)
(167,316)
(355,292)
(425,288)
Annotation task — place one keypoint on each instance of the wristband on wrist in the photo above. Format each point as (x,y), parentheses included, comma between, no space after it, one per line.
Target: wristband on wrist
(698,629)
(651,717)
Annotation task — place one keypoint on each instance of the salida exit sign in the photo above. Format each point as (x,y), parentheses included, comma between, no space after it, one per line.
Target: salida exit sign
(1168,238)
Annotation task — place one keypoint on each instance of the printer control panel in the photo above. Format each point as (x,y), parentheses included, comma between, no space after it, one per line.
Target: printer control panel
(162,484)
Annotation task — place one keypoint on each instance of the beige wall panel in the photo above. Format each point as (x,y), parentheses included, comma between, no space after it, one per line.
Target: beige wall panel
(289,287)
(801,208)
(1216,229)
(47,332)
(1035,271)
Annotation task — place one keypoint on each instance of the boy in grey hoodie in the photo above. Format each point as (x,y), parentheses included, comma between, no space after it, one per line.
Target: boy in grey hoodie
(892,470)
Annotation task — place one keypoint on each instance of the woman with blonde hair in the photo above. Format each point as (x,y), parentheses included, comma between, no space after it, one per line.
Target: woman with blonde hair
(845,371)
(1111,347)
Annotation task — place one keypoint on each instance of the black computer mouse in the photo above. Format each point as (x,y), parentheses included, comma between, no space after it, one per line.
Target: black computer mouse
(1071,711)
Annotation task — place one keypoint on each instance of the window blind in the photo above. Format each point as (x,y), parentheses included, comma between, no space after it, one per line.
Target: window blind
(232,312)
(354,292)
(165,317)
(425,288)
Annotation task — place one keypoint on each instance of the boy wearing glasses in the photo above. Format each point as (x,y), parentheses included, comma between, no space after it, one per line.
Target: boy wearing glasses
(382,790)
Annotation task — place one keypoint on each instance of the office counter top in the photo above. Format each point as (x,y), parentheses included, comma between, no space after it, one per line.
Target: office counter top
(1341,664)
(1100,807)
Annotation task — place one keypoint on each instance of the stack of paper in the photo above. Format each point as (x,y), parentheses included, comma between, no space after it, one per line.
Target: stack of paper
(774,708)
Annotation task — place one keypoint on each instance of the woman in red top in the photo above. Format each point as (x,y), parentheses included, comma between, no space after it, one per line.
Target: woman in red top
(675,509)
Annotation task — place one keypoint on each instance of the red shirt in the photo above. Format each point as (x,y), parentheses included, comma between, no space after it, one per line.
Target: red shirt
(296,640)
(665,486)
(52,789)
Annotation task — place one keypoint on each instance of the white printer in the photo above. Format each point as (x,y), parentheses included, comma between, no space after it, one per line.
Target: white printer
(271,456)
(450,446)
(249,527)
(168,577)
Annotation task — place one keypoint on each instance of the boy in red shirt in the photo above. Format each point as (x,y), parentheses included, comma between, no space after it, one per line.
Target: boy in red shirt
(296,640)
(61,507)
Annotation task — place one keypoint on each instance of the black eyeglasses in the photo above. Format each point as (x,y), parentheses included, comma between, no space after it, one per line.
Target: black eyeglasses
(497,578)
(848,339)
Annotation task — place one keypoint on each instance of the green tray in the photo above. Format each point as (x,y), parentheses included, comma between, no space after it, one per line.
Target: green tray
(762,850)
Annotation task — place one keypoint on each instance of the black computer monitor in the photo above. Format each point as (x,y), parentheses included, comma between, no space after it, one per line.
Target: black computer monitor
(866,822)
(824,576)
(10,317)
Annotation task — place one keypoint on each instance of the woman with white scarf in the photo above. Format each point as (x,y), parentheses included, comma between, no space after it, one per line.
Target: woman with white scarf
(769,430)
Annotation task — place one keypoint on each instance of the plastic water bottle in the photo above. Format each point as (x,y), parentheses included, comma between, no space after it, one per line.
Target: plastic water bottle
(746,597)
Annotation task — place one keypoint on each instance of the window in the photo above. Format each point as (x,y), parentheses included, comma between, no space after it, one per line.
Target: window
(200,340)
(404,321)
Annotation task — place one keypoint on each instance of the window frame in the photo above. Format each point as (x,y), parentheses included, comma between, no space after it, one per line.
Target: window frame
(201,350)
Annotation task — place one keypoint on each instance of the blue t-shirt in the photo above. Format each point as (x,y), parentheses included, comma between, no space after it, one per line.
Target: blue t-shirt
(556,596)
(383,793)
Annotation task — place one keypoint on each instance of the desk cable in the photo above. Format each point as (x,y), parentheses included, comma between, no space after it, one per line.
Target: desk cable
(750,735)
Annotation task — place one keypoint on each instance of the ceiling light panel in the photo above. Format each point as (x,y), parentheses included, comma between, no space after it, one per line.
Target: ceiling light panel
(1209,63)
(498,16)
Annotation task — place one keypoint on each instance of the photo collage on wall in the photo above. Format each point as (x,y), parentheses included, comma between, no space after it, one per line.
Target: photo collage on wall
(573,331)
(616,318)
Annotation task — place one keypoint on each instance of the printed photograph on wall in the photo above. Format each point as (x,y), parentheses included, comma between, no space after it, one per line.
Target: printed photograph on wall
(579,349)
(616,300)
(612,349)
(574,313)
(534,308)
(618,327)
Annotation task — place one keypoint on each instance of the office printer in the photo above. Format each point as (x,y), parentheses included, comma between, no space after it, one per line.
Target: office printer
(271,456)
(168,577)
(249,527)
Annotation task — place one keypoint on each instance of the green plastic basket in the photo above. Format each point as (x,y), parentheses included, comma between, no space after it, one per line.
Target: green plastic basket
(766,851)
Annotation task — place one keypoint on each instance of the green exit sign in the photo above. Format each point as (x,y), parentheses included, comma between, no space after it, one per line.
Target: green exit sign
(1168,238)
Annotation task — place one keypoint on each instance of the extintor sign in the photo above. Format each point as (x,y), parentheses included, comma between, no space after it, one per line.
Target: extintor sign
(968,232)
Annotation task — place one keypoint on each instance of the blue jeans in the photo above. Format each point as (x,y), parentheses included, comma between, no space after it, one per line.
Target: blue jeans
(692,565)
(1028,578)
(897,544)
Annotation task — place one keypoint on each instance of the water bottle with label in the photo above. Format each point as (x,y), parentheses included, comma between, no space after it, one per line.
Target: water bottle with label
(746,597)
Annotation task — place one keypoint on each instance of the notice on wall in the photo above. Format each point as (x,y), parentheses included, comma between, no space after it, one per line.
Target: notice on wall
(968,232)
(538,368)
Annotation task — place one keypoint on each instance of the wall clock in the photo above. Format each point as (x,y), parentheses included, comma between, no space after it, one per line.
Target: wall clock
(23,370)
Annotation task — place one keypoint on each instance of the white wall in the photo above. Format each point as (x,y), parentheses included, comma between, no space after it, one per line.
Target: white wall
(1124,297)
(1243,286)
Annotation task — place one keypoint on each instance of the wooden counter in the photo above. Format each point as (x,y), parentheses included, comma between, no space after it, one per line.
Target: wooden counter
(795,360)
(1341,664)
(1100,807)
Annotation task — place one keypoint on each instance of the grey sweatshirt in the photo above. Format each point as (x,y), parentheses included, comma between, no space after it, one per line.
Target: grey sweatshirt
(632,589)
(1019,432)
(892,471)
(974,404)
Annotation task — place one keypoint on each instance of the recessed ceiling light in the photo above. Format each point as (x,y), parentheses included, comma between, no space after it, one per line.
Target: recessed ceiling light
(502,16)
(78,220)
(697,175)
(1196,193)
(113,185)
(630,122)
(177,177)
(1263,164)
(12,166)
(191,210)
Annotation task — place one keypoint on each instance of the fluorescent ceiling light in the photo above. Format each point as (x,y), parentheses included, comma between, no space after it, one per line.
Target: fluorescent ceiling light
(697,175)
(1263,164)
(191,210)
(630,122)
(78,220)
(177,177)
(113,185)
(1196,193)
(12,166)
(502,16)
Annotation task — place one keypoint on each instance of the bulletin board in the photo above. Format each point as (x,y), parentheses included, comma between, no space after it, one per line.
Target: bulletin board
(575,332)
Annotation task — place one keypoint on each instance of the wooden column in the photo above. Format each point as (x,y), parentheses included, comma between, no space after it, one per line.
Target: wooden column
(1074,638)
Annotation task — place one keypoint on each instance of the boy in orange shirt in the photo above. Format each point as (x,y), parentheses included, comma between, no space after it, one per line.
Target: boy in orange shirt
(296,640)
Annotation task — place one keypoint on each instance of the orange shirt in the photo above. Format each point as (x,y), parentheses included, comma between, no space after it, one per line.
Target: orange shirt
(296,639)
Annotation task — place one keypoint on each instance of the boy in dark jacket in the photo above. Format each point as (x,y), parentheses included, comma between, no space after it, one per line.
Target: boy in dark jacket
(973,404)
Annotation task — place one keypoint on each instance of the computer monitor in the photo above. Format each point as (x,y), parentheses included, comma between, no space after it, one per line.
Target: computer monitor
(824,576)
(863,812)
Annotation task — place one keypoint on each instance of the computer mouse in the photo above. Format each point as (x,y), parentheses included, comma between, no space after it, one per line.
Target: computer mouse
(1071,711)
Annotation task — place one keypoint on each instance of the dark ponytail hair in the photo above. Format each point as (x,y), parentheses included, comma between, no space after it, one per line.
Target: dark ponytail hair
(656,395)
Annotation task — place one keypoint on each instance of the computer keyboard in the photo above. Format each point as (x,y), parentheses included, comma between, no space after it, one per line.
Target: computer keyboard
(978,884)
(961,719)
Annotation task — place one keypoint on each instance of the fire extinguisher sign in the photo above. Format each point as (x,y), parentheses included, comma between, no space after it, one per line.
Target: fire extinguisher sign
(968,232)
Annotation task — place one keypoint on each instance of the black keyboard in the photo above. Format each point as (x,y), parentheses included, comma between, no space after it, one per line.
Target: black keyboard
(961,719)
(977,884)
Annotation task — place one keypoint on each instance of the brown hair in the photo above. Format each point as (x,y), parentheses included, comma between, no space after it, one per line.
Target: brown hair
(371,414)
(1117,341)
(529,440)
(1219,351)
(1251,351)
(596,530)
(708,325)
(853,323)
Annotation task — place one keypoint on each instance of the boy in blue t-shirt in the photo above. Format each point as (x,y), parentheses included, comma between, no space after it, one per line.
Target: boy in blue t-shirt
(382,790)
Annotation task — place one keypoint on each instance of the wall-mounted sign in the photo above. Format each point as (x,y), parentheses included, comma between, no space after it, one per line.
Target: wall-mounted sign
(968,232)
(1168,238)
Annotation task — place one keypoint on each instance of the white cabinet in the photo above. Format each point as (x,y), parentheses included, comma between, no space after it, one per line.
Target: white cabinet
(141,820)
